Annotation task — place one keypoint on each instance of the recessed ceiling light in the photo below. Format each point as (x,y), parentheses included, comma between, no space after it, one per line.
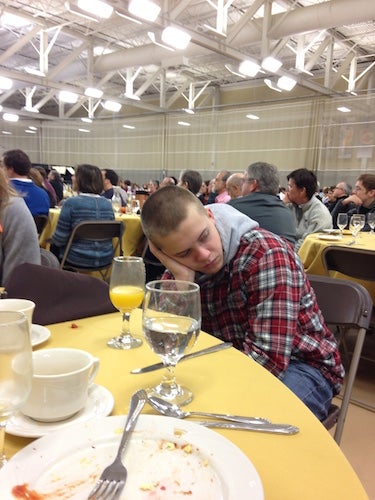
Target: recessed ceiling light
(130,127)
(28,131)
(252,117)
(86,120)
(31,127)
(184,124)
(344,109)
(14,20)
(84,130)
(93,92)
(189,111)
(5,132)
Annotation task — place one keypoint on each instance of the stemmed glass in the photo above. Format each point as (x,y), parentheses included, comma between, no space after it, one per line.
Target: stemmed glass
(371,221)
(116,202)
(126,291)
(171,325)
(342,221)
(355,226)
(15,368)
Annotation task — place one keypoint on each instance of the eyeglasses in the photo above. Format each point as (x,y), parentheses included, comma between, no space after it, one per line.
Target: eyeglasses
(338,187)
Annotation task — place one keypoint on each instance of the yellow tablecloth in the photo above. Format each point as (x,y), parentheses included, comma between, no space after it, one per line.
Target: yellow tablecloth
(132,236)
(307,465)
(313,246)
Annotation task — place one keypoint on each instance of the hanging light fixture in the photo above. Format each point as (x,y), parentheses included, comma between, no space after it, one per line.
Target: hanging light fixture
(271,64)
(93,92)
(10,117)
(112,106)
(175,37)
(5,83)
(286,83)
(145,9)
(249,68)
(68,97)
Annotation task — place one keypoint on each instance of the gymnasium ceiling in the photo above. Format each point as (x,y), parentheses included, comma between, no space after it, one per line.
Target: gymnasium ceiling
(328,47)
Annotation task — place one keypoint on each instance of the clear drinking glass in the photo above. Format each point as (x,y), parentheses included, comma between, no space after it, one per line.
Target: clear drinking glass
(171,325)
(371,221)
(355,226)
(15,368)
(342,221)
(126,291)
(116,202)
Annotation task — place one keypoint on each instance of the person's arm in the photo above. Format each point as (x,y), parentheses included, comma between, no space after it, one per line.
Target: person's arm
(64,226)
(19,237)
(273,288)
(179,271)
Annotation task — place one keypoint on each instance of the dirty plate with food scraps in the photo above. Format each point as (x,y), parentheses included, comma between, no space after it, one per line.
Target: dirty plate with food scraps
(167,458)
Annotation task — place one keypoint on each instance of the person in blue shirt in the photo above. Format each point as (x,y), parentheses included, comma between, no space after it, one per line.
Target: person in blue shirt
(87,205)
(17,166)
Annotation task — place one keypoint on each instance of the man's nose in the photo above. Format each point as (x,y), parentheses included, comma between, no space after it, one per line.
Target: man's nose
(202,254)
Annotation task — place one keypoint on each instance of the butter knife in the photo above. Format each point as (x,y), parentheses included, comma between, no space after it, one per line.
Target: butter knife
(208,350)
(261,427)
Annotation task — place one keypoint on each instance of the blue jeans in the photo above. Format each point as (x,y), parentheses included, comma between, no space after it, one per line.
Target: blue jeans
(310,386)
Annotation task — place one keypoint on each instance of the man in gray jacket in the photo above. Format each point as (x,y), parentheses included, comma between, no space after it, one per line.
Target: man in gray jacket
(310,214)
(260,202)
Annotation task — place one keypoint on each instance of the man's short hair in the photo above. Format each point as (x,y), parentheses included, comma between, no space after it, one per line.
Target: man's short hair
(18,160)
(111,176)
(304,178)
(266,175)
(193,180)
(163,212)
(368,181)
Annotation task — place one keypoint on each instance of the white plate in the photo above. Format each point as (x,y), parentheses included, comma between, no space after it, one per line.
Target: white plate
(66,464)
(39,334)
(330,237)
(99,404)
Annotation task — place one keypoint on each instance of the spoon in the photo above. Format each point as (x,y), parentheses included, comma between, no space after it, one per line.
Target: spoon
(172,410)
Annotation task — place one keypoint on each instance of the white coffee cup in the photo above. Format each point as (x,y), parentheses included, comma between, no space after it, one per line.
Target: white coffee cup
(60,383)
(21,305)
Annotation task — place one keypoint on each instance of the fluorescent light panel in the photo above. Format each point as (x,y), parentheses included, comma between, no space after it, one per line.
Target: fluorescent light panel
(344,109)
(111,106)
(15,21)
(184,124)
(145,9)
(271,64)
(86,120)
(286,83)
(96,7)
(252,117)
(175,37)
(5,83)
(67,96)
(130,127)
(93,92)
(248,68)
(10,117)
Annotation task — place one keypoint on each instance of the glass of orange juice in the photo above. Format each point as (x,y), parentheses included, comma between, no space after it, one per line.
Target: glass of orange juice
(126,291)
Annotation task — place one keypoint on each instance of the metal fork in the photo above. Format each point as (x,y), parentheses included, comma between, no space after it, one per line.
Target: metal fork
(112,480)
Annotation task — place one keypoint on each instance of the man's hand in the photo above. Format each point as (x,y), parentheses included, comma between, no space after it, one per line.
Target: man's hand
(353,198)
(179,271)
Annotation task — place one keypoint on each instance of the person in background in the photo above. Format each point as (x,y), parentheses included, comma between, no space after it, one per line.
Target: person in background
(18,235)
(309,212)
(56,182)
(168,181)
(364,197)
(153,186)
(87,205)
(37,178)
(191,180)
(234,185)
(331,198)
(203,192)
(254,290)
(341,192)
(261,203)
(47,185)
(222,195)
(17,166)
(110,182)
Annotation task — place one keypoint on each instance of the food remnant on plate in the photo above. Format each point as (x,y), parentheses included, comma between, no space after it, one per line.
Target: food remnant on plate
(74,325)
(23,492)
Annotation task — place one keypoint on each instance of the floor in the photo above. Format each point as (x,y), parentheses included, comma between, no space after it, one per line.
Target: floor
(359,432)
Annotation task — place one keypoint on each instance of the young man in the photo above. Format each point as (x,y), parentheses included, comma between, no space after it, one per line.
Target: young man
(254,290)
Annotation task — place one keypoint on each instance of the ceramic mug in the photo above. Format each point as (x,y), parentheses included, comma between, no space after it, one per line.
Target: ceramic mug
(60,383)
(21,305)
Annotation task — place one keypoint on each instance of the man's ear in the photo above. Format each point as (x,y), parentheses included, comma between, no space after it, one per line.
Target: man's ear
(210,215)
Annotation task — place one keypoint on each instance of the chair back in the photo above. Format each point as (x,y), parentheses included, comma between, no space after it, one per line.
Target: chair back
(40,222)
(354,262)
(96,231)
(346,304)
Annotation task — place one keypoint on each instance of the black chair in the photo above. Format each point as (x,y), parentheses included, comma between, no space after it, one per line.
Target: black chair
(348,305)
(40,222)
(352,262)
(95,231)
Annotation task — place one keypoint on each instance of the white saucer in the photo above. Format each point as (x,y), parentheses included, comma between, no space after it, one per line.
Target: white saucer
(330,237)
(39,334)
(99,404)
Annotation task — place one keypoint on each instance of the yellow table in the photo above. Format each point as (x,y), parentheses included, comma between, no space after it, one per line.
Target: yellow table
(307,465)
(313,246)
(132,238)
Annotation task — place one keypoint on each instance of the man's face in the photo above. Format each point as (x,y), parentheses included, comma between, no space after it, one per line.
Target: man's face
(339,190)
(249,185)
(366,196)
(220,185)
(296,195)
(196,243)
